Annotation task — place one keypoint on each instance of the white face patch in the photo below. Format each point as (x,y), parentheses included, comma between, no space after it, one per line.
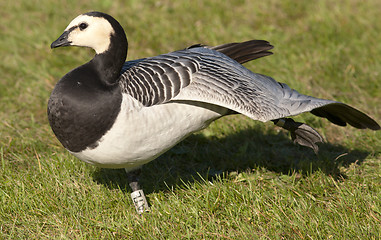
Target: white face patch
(96,35)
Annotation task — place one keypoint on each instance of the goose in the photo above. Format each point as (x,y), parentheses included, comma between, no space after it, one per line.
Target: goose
(117,114)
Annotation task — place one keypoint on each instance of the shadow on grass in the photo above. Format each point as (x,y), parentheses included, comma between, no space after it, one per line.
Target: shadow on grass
(198,156)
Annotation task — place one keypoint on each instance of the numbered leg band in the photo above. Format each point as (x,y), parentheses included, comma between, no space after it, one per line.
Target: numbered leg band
(139,201)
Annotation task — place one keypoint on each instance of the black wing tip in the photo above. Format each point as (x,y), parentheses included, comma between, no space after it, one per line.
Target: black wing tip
(245,51)
(375,127)
(265,45)
(249,57)
(342,114)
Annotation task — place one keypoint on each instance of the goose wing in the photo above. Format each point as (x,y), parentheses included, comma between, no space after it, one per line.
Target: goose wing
(206,75)
(155,70)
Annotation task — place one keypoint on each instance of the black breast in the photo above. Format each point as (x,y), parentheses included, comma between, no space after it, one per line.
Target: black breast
(81,109)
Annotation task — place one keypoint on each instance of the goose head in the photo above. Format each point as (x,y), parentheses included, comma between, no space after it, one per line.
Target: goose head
(105,35)
(95,30)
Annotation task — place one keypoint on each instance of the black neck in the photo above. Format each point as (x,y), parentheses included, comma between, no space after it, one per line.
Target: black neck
(109,63)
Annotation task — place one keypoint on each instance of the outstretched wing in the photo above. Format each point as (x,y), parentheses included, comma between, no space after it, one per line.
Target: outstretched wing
(205,75)
(221,81)
(160,78)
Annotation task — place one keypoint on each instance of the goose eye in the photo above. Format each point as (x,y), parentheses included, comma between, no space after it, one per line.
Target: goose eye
(82,26)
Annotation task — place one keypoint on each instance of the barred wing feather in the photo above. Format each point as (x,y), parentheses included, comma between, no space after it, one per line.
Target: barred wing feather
(159,79)
(205,75)
(223,82)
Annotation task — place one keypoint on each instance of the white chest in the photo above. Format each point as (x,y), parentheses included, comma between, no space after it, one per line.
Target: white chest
(140,134)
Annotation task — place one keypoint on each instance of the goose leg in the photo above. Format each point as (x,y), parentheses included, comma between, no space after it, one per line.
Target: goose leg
(137,195)
(301,133)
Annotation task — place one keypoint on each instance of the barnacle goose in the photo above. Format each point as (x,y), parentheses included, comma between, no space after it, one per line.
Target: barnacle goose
(117,114)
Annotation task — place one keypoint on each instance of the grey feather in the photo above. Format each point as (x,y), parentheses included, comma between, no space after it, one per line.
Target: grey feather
(242,52)
(223,82)
(129,64)
(205,75)
(158,79)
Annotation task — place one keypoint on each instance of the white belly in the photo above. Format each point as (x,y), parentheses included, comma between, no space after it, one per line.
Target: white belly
(140,134)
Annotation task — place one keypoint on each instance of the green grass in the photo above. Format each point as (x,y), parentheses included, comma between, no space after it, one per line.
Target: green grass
(238,179)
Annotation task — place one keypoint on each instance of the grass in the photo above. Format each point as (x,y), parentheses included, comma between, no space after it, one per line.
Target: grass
(238,179)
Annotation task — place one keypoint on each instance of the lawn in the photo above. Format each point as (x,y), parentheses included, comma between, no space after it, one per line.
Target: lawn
(237,179)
